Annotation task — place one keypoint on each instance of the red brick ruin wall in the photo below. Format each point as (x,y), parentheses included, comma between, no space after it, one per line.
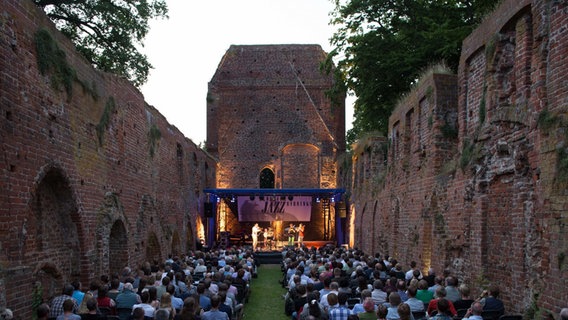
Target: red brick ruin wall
(476,177)
(92,178)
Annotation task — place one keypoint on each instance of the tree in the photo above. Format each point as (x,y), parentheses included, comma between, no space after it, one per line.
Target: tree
(383,45)
(106,32)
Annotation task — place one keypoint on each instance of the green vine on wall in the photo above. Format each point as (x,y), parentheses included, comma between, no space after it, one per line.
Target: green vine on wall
(547,122)
(51,59)
(104,122)
(154,135)
(37,298)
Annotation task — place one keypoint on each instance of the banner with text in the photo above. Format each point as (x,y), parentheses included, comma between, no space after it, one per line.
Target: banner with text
(274,208)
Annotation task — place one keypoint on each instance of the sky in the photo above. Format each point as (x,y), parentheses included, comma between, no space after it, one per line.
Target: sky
(186,49)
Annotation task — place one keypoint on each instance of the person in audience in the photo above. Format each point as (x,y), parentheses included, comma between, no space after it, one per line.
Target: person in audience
(433,305)
(358,308)
(103,301)
(474,313)
(382,312)
(564,314)
(113,291)
(465,301)
(394,302)
(166,304)
(340,312)
(452,292)
(56,308)
(223,306)
(404,312)
(378,295)
(313,308)
(414,304)
(334,288)
(154,301)
(369,310)
(443,309)
(424,294)
(401,290)
(68,306)
(438,282)
(145,305)
(127,298)
(161,314)
(189,310)
(491,300)
(137,314)
(204,301)
(410,273)
(92,314)
(215,313)
(77,293)
(42,311)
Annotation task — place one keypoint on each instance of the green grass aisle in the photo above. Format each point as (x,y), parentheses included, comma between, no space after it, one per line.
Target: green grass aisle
(266,300)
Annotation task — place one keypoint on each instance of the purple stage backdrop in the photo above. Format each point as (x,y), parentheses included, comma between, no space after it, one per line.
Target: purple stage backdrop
(273,208)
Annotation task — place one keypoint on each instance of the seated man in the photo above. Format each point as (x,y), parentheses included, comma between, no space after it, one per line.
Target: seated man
(474,313)
(492,302)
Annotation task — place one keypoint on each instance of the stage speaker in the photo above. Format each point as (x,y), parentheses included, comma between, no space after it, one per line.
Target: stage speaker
(342,210)
(208,210)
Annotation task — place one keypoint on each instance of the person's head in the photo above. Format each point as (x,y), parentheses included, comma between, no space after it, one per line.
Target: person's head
(301,289)
(166,300)
(76,284)
(161,314)
(42,311)
(451,281)
(68,289)
(68,305)
(394,299)
(494,291)
(401,285)
(441,292)
(564,314)
(166,281)
(464,290)
(443,306)
(382,311)
(114,284)
(332,299)
(378,284)
(369,305)
(215,301)
(334,286)
(365,294)
(476,308)
(145,296)
(411,291)
(342,298)
(423,285)
(313,305)
(189,306)
(138,314)
(92,304)
(403,311)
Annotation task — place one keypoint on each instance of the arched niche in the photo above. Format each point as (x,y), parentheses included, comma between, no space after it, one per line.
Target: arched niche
(118,247)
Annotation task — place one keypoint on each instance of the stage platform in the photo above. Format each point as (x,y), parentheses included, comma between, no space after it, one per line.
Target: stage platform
(274,256)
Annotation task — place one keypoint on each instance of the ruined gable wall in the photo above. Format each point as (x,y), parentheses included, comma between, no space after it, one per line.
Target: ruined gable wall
(495,210)
(93,179)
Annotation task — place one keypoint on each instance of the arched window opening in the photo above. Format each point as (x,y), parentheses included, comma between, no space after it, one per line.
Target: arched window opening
(266,179)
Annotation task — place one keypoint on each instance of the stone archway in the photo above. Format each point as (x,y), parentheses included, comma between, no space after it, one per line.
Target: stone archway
(54,225)
(48,281)
(118,248)
(153,250)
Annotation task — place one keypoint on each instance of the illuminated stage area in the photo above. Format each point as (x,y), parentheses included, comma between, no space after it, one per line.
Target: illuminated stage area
(232,214)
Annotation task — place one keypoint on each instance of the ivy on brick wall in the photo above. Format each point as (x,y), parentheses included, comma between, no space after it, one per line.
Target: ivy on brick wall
(52,60)
(102,126)
(154,135)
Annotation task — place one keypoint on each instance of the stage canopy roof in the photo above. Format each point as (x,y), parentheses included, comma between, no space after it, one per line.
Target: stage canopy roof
(322,193)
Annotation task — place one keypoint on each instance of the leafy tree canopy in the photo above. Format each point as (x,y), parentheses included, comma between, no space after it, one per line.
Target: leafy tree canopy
(107,32)
(383,45)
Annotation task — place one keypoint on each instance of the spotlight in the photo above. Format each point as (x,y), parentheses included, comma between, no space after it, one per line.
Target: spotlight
(317,199)
(251,198)
(333,199)
(218,199)
(233,199)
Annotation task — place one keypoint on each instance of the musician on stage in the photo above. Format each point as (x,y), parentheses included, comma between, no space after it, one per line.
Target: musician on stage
(300,230)
(291,234)
(255,232)
(265,237)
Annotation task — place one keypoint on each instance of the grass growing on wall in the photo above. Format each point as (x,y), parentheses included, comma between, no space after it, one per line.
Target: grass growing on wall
(153,136)
(51,59)
(104,122)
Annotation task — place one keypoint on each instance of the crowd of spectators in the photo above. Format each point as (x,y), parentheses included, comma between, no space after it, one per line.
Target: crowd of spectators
(202,285)
(337,283)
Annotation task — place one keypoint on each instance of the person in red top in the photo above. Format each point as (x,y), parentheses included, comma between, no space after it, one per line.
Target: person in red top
(103,301)
(433,305)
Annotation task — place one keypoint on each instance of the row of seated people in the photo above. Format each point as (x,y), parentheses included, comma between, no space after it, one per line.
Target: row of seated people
(200,286)
(355,277)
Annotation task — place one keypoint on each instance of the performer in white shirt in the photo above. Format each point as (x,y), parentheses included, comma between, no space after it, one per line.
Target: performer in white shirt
(255,231)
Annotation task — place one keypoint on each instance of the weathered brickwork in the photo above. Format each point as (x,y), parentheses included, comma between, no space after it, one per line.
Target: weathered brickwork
(267,109)
(92,178)
(475,180)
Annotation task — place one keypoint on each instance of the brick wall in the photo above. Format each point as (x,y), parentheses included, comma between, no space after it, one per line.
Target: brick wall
(485,200)
(92,178)
(267,109)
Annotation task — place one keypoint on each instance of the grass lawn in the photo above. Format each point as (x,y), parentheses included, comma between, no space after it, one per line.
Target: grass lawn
(266,300)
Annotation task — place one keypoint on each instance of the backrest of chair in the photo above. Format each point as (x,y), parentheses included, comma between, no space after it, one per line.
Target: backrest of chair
(491,314)
(419,315)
